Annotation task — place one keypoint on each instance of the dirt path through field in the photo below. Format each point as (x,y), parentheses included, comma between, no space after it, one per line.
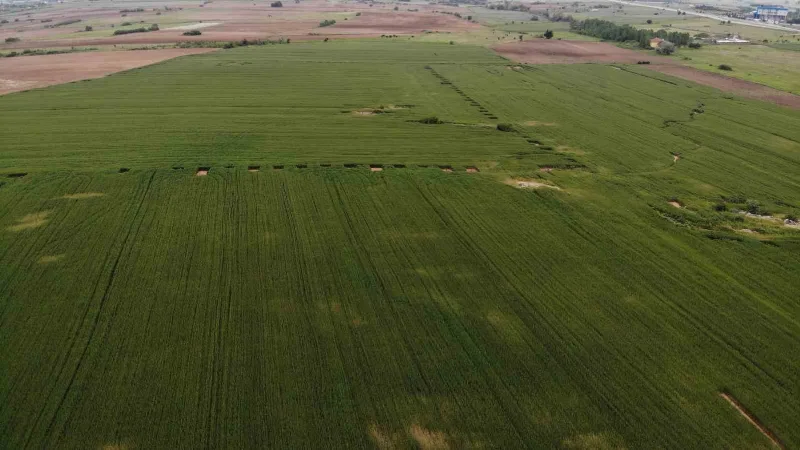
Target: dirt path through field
(750,418)
(542,51)
(29,72)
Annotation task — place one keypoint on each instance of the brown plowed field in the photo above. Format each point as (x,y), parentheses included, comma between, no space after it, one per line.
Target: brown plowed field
(233,21)
(29,72)
(739,87)
(542,51)
(400,23)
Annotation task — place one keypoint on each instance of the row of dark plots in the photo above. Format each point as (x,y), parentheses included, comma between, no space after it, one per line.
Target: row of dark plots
(202,171)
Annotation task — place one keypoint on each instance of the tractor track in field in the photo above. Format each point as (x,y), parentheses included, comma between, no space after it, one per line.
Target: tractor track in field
(540,148)
(103,300)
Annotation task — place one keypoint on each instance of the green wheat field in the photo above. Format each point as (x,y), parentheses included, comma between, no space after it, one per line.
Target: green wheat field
(294,298)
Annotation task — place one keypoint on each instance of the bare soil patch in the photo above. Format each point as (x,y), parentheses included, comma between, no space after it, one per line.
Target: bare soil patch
(428,439)
(543,51)
(83,195)
(530,184)
(739,87)
(384,440)
(33,220)
(201,172)
(47,259)
(194,26)
(752,419)
(29,72)
(472,169)
(675,204)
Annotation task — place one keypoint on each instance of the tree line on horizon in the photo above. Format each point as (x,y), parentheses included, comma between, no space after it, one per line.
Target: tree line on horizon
(610,31)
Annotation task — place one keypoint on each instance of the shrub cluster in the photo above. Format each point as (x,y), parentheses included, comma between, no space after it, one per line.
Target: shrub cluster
(327,23)
(192,33)
(507,127)
(432,120)
(153,27)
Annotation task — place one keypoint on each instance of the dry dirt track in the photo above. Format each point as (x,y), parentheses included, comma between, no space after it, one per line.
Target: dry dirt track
(734,85)
(29,72)
(577,52)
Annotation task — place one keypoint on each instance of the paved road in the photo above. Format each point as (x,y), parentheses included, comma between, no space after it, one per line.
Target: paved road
(750,23)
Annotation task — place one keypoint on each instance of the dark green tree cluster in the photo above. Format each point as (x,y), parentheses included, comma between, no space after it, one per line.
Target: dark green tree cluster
(610,31)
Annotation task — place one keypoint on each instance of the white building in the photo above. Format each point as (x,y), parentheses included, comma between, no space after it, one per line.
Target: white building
(771,13)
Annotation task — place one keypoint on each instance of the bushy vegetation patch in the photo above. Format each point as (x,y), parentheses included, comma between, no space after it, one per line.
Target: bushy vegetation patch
(610,31)
(153,27)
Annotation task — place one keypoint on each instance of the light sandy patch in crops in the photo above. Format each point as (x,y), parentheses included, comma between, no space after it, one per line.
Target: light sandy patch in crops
(194,26)
(428,439)
(15,85)
(536,123)
(757,216)
(593,441)
(530,184)
(50,258)
(753,421)
(382,438)
(675,204)
(201,173)
(746,230)
(32,220)
(115,447)
(376,169)
(83,195)
(570,150)
(675,158)
(364,112)
(44,70)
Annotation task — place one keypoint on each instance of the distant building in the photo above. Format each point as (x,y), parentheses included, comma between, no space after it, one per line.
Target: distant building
(771,13)
(655,42)
(735,39)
